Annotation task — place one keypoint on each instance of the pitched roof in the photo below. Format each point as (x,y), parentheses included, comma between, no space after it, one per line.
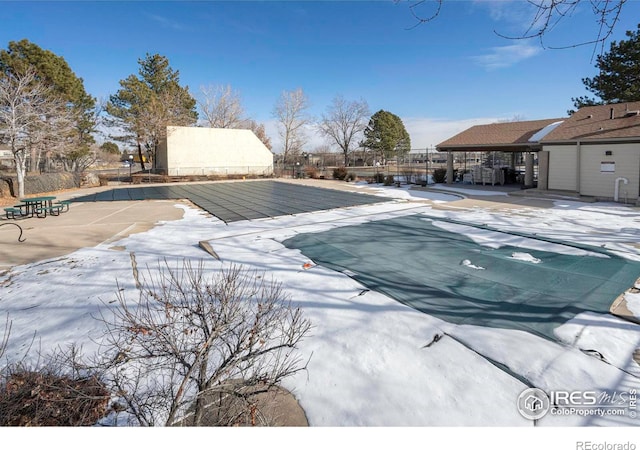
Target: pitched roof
(501,136)
(602,122)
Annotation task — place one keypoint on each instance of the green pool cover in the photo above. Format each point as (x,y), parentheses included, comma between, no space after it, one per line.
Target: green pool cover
(237,201)
(447,275)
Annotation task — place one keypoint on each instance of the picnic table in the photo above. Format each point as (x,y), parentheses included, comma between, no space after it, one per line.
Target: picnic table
(37,206)
(40,206)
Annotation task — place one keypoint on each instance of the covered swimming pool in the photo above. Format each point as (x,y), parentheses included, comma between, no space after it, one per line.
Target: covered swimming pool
(496,279)
(247,200)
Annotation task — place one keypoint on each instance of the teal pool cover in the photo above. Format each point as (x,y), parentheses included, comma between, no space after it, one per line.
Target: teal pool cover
(447,275)
(235,201)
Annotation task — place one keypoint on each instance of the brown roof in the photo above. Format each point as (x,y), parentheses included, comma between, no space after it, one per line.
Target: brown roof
(595,123)
(501,136)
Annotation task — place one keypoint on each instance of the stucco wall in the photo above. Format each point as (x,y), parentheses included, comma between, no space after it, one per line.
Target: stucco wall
(597,179)
(214,151)
(592,172)
(563,174)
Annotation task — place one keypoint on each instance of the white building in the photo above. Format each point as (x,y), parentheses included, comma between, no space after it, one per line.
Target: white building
(213,151)
(6,157)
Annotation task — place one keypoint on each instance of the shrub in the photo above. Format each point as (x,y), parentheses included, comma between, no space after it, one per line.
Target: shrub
(388,180)
(193,341)
(38,398)
(311,172)
(351,177)
(378,178)
(59,391)
(440,175)
(340,173)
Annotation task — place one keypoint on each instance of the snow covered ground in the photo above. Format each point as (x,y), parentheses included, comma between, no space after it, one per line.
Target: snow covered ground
(373,362)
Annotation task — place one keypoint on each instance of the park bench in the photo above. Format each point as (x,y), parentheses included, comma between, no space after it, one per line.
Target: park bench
(17,210)
(64,204)
(53,210)
(11,212)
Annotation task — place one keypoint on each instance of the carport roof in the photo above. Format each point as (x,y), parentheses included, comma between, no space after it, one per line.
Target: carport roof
(505,137)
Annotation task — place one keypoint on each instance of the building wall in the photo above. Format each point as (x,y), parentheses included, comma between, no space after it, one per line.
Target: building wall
(213,151)
(590,171)
(563,174)
(599,171)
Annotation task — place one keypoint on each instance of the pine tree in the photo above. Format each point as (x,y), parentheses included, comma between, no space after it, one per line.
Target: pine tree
(386,136)
(146,104)
(619,77)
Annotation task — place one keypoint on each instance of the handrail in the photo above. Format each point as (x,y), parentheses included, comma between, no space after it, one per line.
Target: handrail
(19,227)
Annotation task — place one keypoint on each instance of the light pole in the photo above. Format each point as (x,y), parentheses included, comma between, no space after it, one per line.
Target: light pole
(130,166)
(397,167)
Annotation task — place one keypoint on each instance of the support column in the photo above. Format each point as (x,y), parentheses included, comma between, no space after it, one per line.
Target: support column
(543,170)
(528,170)
(449,168)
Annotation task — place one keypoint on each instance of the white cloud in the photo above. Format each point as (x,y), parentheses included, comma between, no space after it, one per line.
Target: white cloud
(506,56)
(510,11)
(515,17)
(165,22)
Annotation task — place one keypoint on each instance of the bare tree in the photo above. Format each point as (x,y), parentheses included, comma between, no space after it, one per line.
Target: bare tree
(258,130)
(56,137)
(221,107)
(547,14)
(344,122)
(291,113)
(29,114)
(192,345)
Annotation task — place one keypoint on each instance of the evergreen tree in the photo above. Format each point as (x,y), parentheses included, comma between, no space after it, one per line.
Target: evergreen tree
(110,147)
(619,77)
(146,104)
(386,136)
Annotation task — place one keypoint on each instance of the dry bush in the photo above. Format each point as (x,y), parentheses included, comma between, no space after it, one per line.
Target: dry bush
(340,173)
(32,398)
(58,391)
(196,349)
(311,172)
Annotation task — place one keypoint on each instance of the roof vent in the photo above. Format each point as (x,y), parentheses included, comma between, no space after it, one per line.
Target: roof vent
(611,114)
(632,113)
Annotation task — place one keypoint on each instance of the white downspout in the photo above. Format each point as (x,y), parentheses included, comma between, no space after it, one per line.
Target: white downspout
(617,188)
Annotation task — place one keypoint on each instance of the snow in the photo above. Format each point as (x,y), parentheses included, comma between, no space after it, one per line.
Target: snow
(467,263)
(493,239)
(369,359)
(633,303)
(527,257)
(467,191)
(537,136)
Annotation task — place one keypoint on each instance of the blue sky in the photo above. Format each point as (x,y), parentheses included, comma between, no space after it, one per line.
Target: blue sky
(439,77)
